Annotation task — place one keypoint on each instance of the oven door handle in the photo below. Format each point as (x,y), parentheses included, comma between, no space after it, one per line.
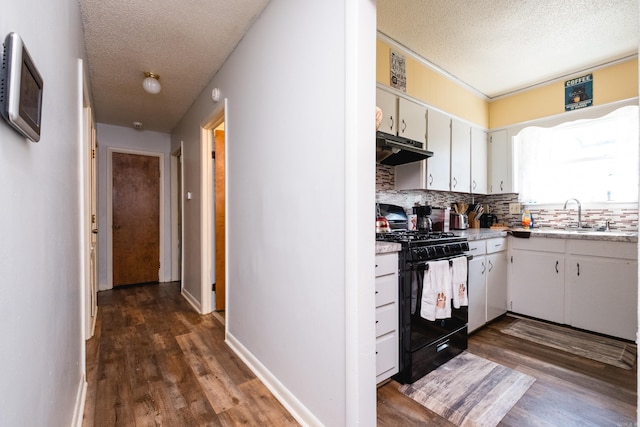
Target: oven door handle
(424,265)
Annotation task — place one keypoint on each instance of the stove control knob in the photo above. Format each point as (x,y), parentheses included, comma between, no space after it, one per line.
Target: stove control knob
(431,252)
(440,251)
(465,247)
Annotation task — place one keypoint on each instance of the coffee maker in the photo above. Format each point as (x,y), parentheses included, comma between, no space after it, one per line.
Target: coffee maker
(423,217)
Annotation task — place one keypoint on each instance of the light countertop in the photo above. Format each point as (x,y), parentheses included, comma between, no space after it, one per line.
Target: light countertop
(387,247)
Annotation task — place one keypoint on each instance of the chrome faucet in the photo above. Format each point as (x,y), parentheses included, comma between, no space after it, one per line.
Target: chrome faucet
(579,210)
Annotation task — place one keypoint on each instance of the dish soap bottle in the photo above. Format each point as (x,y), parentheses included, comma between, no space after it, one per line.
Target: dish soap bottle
(526,219)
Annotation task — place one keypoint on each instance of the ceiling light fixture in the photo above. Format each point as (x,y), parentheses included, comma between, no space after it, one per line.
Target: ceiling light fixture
(151,83)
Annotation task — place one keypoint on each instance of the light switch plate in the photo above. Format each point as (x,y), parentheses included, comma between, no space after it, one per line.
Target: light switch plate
(514,208)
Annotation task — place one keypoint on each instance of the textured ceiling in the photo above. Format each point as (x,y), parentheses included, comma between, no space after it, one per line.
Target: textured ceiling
(500,46)
(185,42)
(494,46)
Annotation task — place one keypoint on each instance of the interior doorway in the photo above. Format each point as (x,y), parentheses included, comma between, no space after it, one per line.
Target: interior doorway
(220,220)
(135,200)
(176,215)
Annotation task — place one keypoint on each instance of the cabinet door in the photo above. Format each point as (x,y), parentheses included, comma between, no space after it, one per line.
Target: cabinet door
(439,142)
(479,161)
(477,293)
(496,285)
(460,156)
(499,177)
(387,102)
(412,121)
(602,295)
(536,284)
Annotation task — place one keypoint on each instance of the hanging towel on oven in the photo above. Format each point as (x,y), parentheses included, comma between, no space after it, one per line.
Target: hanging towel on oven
(428,296)
(459,292)
(436,296)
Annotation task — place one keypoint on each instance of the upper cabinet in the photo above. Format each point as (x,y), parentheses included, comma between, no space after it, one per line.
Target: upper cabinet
(499,163)
(460,156)
(388,103)
(479,161)
(438,142)
(412,120)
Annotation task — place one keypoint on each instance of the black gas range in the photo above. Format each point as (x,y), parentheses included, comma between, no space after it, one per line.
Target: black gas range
(424,344)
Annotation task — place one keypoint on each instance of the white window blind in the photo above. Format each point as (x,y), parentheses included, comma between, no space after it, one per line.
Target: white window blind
(594,160)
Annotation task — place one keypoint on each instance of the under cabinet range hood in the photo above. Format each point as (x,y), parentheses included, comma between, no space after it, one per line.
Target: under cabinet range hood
(395,150)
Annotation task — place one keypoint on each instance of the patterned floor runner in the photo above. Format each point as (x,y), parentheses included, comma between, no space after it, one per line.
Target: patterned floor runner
(470,391)
(603,349)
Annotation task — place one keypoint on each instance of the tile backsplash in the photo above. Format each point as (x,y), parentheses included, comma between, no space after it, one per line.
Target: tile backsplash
(623,219)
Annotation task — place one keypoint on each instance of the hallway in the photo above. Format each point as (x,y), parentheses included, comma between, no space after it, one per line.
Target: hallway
(154,361)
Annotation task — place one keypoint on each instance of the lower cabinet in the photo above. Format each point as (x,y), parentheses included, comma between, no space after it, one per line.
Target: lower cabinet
(601,282)
(536,279)
(487,281)
(387,345)
(586,284)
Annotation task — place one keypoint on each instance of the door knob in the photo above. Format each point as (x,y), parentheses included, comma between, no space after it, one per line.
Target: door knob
(94,231)
(116,227)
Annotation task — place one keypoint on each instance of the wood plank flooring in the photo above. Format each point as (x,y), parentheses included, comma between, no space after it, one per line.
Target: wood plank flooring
(155,362)
(569,390)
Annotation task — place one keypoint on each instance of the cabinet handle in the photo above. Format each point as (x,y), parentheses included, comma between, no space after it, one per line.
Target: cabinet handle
(392,123)
(490,266)
(483,267)
(404,125)
(578,264)
(430,180)
(511,259)
(455,182)
(501,186)
(474,184)
(557,263)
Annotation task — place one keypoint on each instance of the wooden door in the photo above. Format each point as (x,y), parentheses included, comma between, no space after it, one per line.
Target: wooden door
(220,220)
(136,218)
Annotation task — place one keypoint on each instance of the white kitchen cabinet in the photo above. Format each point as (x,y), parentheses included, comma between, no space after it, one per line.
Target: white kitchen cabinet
(412,121)
(487,281)
(536,278)
(460,156)
(496,261)
(387,344)
(479,161)
(388,103)
(499,163)
(601,283)
(477,286)
(439,142)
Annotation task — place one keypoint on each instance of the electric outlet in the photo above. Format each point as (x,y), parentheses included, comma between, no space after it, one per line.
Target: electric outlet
(514,208)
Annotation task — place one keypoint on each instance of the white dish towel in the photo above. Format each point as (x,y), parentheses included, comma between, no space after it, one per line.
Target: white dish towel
(440,277)
(459,292)
(428,300)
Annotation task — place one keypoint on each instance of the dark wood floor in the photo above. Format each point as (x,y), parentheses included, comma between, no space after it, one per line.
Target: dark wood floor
(569,390)
(155,362)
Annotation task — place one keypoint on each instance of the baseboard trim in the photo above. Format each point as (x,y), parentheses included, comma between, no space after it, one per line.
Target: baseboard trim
(282,393)
(81,396)
(191,300)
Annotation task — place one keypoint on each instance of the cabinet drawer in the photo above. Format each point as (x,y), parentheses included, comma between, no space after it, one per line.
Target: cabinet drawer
(477,247)
(386,319)
(386,353)
(386,264)
(498,244)
(386,289)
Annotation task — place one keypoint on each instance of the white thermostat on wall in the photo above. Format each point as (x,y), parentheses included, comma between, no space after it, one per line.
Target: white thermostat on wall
(21,87)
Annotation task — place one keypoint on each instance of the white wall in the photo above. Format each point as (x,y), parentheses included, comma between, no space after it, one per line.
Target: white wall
(119,137)
(301,185)
(41,364)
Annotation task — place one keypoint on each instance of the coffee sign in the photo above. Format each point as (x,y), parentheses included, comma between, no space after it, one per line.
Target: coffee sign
(578,92)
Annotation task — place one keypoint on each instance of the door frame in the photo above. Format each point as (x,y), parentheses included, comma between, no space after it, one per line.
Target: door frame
(177,210)
(207,225)
(109,231)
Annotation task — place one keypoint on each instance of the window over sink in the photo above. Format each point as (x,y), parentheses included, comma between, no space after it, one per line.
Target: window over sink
(593,160)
